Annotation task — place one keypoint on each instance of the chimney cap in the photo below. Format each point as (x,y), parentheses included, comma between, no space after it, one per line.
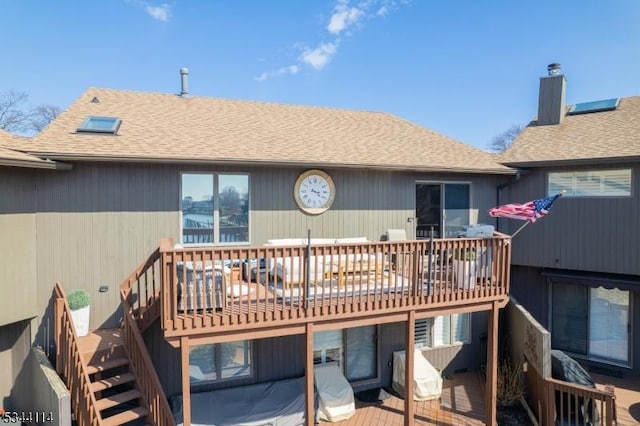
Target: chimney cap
(184,70)
(554,68)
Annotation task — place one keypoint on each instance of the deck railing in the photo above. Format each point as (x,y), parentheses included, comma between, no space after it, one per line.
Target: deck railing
(140,294)
(70,364)
(559,402)
(223,288)
(574,404)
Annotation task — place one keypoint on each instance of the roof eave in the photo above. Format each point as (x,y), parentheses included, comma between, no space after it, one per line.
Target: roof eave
(281,163)
(572,161)
(35,164)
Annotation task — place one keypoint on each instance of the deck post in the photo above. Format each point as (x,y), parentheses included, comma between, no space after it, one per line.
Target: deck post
(409,405)
(491,391)
(186,386)
(308,377)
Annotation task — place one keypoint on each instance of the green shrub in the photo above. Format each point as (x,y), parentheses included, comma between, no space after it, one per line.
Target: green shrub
(464,254)
(78,299)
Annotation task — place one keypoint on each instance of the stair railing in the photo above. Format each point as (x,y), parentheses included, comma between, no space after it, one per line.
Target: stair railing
(70,365)
(142,289)
(140,295)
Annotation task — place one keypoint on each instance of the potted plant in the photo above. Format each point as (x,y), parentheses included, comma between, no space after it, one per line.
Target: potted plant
(464,268)
(79,304)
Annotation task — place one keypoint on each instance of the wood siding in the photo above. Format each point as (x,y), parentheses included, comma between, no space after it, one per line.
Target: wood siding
(597,234)
(94,225)
(15,343)
(18,248)
(532,290)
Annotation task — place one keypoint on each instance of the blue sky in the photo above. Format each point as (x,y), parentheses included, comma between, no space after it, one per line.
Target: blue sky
(467,69)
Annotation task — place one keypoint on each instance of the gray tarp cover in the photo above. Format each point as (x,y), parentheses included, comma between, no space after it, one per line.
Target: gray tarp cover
(280,403)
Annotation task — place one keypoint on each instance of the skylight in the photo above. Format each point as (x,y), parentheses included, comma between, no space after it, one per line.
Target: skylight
(595,106)
(100,125)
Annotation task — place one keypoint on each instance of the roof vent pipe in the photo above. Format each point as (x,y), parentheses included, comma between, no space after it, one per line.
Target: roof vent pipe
(554,69)
(184,79)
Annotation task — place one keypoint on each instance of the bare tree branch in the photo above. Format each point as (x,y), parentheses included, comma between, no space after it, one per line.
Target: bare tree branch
(13,117)
(502,141)
(17,116)
(42,115)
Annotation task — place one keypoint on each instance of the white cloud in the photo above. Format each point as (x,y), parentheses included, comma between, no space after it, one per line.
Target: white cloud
(343,17)
(291,69)
(159,13)
(320,56)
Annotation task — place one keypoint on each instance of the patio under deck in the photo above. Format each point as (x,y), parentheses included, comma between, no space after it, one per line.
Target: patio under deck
(462,403)
(627,396)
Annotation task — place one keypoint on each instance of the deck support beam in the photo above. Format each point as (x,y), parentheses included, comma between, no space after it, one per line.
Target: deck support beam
(186,384)
(308,376)
(409,405)
(491,384)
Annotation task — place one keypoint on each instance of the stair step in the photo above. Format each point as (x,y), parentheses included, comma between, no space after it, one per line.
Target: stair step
(112,381)
(115,400)
(125,417)
(107,365)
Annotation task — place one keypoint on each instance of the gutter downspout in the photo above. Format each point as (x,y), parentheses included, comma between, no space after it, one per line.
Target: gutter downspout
(499,188)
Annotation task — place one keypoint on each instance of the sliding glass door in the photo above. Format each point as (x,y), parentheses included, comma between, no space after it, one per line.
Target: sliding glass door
(591,321)
(443,207)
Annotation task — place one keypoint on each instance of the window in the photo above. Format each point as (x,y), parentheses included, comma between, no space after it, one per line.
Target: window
(353,349)
(100,125)
(591,183)
(215,208)
(219,361)
(591,321)
(443,331)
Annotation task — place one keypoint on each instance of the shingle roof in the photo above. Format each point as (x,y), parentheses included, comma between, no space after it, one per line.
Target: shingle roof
(11,157)
(591,137)
(165,127)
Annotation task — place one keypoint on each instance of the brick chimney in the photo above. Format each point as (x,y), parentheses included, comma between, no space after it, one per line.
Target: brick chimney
(551,103)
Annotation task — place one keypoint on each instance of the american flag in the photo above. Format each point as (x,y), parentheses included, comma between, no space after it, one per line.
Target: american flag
(531,211)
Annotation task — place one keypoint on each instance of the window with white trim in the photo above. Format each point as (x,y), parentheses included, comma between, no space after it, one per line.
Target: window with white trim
(219,361)
(215,208)
(591,183)
(444,330)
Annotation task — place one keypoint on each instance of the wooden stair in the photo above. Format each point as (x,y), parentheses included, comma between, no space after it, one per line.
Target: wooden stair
(119,400)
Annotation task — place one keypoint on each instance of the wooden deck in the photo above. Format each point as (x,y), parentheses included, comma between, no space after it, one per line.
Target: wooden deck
(317,284)
(627,396)
(462,403)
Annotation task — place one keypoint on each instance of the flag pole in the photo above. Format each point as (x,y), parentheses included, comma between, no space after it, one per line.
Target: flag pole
(520,229)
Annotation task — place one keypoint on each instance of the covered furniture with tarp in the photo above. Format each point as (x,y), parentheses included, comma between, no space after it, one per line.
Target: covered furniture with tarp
(335,395)
(582,410)
(279,403)
(427,382)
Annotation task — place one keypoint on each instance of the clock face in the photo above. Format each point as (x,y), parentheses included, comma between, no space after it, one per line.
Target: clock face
(314,191)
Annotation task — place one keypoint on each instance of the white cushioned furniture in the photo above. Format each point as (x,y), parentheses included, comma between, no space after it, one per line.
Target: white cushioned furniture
(322,267)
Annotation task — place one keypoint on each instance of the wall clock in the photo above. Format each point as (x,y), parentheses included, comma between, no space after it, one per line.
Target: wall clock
(314,191)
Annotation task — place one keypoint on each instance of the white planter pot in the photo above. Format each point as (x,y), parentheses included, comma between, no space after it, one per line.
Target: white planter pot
(465,274)
(81,320)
